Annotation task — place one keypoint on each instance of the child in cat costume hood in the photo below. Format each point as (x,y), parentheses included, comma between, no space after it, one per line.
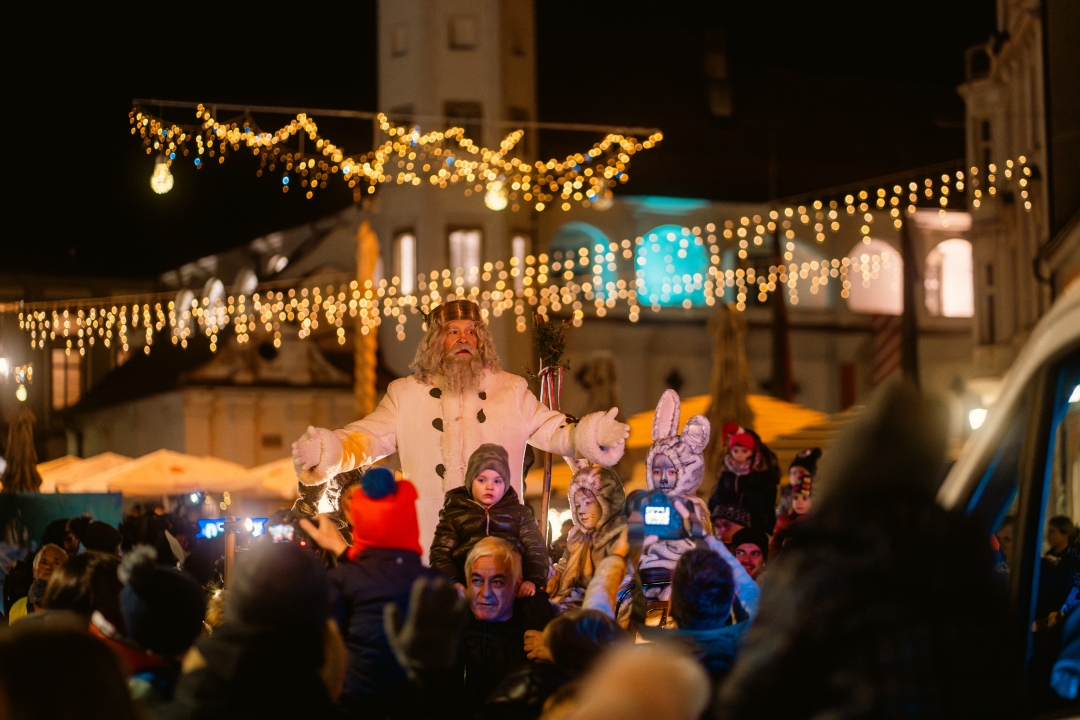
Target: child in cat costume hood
(597,503)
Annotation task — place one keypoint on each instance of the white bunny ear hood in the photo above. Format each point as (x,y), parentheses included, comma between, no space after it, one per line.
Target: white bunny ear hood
(685,450)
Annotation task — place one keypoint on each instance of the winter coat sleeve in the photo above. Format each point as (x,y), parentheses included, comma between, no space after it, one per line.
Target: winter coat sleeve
(441,555)
(373,437)
(746,590)
(549,430)
(535,564)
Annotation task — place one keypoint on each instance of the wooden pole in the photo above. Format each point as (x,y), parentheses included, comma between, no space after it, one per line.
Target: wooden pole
(909,347)
(365,339)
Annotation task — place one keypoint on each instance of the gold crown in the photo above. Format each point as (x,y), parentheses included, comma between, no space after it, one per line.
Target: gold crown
(456,310)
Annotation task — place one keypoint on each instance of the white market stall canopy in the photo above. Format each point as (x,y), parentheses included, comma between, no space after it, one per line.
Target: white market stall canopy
(166,472)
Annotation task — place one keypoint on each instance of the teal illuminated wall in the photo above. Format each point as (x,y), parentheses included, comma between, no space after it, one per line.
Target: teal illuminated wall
(576,236)
(672,266)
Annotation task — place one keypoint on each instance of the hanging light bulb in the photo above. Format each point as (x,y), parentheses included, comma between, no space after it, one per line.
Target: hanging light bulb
(495,198)
(162,180)
(21,393)
(604,201)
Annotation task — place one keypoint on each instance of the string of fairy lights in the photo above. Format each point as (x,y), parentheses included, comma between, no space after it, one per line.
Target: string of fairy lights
(408,157)
(596,278)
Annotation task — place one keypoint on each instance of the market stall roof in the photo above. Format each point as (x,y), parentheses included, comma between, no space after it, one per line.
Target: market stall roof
(165,472)
(58,474)
(817,435)
(275,479)
(772,418)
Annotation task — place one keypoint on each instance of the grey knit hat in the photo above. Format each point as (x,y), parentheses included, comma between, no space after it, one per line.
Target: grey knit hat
(488,457)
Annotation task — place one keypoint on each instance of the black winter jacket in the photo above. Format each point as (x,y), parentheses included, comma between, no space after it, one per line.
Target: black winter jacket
(464,521)
(374,681)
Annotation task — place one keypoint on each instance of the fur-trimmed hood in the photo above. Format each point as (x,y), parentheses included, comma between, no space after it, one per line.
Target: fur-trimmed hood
(685,451)
(604,485)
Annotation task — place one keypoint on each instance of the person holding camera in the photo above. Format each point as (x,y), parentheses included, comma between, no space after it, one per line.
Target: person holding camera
(675,467)
(379,568)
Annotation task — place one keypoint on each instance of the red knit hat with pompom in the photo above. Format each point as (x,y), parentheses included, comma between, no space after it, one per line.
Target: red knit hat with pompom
(384,514)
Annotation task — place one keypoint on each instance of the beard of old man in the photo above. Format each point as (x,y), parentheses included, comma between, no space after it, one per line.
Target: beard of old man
(462,367)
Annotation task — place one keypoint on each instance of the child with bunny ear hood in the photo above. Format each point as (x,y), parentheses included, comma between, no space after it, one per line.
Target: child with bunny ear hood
(676,465)
(597,503)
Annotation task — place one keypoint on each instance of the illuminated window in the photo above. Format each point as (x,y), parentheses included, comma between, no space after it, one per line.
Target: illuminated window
(465,253)
(671,267)
(950,291)
(66,378)
(584,255)
(519,247)
(405,261)
(876,277)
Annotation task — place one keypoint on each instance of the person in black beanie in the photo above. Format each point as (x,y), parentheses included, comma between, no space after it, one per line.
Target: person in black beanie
(266,658)
(102,537)
(750,547)
(163,610)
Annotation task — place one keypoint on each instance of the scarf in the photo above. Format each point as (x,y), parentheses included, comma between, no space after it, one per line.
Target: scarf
(742,468)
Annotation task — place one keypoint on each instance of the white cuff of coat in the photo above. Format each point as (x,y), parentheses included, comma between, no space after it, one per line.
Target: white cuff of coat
(587,444)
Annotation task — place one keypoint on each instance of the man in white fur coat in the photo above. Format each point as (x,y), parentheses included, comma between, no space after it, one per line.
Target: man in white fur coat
(458,399)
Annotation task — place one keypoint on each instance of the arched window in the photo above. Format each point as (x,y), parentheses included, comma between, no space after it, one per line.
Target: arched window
(876,278)
(814,280)
(950,291)
(672,264)
(578,247)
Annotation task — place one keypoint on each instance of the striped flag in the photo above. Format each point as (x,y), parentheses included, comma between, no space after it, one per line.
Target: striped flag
(887,346)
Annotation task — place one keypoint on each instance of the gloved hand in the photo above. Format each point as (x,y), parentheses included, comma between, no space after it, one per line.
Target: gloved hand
(426,641)
(307,451)
(610,432)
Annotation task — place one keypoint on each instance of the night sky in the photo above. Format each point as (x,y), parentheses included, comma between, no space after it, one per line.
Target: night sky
(823,94)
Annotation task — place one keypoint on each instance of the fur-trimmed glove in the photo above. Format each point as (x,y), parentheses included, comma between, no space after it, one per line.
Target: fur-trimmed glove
(600,438)
(425,643)
(317,455)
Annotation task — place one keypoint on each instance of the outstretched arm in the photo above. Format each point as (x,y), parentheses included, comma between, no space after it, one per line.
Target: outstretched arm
(320,454)
(746,589)
(597,437)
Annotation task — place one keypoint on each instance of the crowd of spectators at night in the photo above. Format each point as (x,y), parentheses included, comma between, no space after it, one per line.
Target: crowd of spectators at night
(851,596)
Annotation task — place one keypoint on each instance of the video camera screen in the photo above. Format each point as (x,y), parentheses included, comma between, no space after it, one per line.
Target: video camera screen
(657,515)
(282,533)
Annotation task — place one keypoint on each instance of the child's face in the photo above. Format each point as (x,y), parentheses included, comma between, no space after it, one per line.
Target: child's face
(801,504)
(739,453)
(588,511)
(664,474)
(488,488)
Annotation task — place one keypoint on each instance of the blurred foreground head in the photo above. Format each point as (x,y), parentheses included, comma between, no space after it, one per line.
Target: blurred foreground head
(51,667)
(658,682)
(884,604)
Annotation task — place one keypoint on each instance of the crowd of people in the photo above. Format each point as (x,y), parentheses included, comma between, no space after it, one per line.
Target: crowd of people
(855,595)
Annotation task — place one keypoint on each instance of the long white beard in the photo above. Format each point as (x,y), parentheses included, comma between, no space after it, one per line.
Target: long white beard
(462,372)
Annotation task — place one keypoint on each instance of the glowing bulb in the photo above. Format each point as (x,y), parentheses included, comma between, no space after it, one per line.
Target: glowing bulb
(21,393)
(5,368)
(976,418)
(162,180)
(495,198)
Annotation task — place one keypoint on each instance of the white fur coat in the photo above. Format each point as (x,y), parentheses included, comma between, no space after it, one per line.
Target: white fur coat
(434,432)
